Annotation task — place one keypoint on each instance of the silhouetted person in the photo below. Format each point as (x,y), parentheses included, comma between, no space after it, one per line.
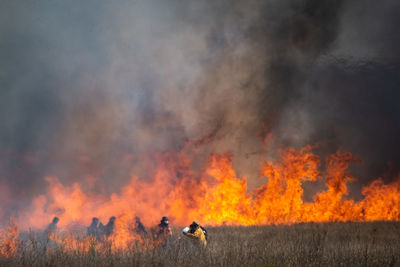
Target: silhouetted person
(51,229)
(50,234)
(139,227)
(101,227)
(162,232)
(110,227)
(93,230)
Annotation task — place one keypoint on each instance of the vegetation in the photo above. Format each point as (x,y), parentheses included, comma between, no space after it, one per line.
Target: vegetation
(311,244)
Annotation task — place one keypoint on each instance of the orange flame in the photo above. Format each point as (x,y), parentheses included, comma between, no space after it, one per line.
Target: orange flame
(217,196)
(9,242)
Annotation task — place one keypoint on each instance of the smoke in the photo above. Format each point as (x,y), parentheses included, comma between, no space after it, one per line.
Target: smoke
(348,98)
(88,86)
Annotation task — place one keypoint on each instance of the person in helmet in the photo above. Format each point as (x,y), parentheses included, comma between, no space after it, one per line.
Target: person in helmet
(196,233)
(162,232)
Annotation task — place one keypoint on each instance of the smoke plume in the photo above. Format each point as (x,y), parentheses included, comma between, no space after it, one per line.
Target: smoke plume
(88,88)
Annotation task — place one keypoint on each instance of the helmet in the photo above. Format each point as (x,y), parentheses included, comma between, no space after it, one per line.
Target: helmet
(194,225)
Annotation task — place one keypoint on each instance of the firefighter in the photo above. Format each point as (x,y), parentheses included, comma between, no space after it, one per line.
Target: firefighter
(101,227)
(139,227)
(197,233)
(93,230)
(162,232)
(109,228)
(52,228)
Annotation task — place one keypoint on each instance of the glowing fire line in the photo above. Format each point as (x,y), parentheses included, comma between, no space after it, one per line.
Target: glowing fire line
(217,196)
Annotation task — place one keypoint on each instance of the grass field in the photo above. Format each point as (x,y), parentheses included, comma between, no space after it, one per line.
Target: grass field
(328,244)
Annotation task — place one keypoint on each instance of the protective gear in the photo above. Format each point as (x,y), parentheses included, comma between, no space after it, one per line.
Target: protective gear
(162,232)
(164,220)
(196,233)
(205,232)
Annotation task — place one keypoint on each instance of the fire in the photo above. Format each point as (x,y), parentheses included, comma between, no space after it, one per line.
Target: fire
(217,196)
(213,196)
(227,201)
(280,200)
(381,201)
(330,204)
(9,242)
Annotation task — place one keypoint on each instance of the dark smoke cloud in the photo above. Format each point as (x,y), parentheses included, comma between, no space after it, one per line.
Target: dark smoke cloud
(349,97)
(84,84)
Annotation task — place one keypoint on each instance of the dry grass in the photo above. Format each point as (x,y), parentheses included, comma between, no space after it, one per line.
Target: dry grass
(330,244)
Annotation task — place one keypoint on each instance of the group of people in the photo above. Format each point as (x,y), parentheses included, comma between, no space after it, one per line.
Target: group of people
(160,233)
(100,231)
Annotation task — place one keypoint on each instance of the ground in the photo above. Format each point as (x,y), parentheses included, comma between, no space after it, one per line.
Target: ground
(311,244)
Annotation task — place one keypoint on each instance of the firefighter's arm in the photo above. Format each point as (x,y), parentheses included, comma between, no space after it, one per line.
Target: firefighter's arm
(195,235)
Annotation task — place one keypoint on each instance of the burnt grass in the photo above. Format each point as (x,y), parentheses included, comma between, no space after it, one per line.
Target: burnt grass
(309,244)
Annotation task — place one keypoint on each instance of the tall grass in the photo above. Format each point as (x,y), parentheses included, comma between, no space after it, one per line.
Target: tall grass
(328,244)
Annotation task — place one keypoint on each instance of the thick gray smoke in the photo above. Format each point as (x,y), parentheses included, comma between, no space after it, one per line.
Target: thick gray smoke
(89,85)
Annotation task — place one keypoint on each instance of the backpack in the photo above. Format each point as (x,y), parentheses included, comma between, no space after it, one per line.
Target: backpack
(205,232)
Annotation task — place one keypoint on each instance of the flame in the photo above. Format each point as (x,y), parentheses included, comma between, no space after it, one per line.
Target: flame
(9,242)
(216,196)
(280,200)
(381,201)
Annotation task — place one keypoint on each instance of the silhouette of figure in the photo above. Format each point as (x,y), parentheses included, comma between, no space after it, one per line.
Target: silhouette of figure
(139,227)
(162,232)
(93,230)
(109,227)
(51,229)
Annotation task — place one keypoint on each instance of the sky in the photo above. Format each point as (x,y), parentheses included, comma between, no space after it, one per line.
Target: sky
(85,84)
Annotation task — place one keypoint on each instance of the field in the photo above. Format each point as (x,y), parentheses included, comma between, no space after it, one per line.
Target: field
(326,244)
